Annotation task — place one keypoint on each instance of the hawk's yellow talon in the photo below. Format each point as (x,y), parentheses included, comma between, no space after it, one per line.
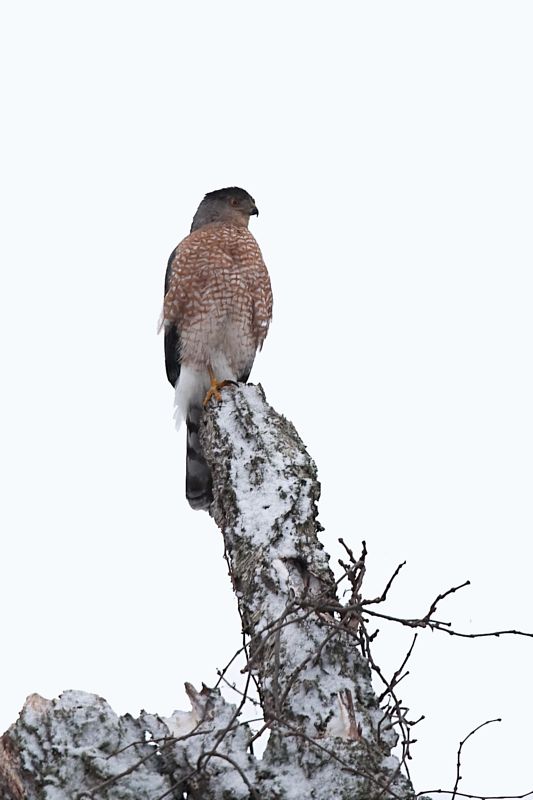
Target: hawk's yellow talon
(214,389)
(212,392)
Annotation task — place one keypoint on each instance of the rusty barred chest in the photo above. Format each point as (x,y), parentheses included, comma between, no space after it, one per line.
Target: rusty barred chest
(219,296)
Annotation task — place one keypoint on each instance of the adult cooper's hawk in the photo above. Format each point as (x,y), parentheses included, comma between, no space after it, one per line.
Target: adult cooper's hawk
(217,309)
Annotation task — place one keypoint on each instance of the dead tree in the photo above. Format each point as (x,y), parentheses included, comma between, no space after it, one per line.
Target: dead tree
(330,736)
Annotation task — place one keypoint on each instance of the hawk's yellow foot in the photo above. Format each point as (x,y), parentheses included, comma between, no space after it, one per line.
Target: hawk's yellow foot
(214,389)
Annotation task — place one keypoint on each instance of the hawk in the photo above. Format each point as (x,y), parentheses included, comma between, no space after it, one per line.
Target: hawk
(216,314)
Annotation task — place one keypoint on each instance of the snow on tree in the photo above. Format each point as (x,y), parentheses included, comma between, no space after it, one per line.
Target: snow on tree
(308,656)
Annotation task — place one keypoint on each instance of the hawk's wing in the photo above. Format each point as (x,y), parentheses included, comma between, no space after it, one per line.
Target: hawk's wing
(261,314)
(172,337)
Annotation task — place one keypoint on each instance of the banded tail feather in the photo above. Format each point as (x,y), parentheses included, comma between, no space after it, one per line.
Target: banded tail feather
(198,479)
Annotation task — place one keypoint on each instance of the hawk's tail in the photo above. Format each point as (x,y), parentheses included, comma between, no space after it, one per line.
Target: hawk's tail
(198,480)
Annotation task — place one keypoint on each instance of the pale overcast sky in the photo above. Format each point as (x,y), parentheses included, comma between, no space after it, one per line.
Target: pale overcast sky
(389,149)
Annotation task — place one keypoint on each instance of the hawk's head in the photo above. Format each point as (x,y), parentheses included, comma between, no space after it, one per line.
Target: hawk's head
(225,205)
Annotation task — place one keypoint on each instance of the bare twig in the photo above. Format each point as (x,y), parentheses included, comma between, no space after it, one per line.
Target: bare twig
(397,676)
(216,754)
(440,597)
(477,796)
(460,749)
(383,596)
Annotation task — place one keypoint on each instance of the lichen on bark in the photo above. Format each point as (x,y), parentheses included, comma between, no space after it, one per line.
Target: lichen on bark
(314,683)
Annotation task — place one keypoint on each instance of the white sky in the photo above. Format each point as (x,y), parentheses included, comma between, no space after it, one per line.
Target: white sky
(389,148)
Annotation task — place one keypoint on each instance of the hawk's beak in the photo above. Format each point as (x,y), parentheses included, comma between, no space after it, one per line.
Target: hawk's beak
(254,210)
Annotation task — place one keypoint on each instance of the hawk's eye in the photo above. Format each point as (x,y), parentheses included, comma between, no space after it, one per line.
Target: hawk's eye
(233,201)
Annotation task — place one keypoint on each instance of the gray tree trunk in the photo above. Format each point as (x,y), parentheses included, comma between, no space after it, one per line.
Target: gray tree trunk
(328,737)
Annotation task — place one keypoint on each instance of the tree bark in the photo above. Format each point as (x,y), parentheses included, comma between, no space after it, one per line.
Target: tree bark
(328,737)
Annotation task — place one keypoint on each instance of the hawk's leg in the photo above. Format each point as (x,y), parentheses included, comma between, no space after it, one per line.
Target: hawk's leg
(216,386)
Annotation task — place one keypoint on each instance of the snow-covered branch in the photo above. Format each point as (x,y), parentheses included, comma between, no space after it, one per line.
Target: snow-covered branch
(77,748)
(328,735)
